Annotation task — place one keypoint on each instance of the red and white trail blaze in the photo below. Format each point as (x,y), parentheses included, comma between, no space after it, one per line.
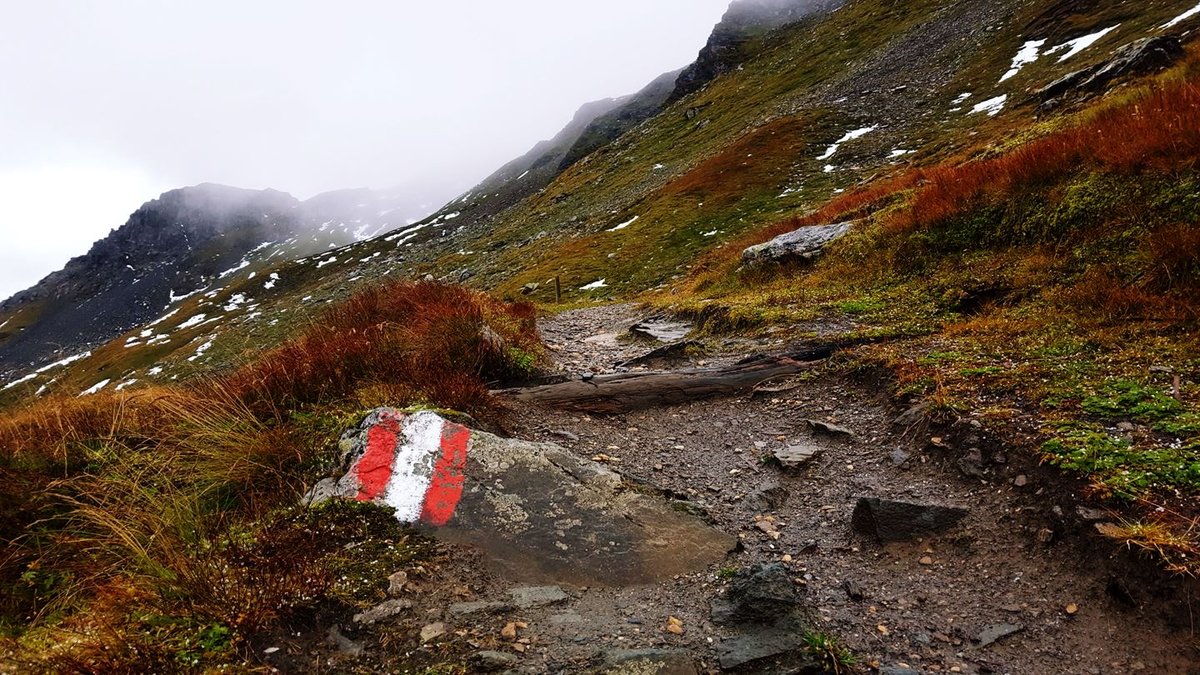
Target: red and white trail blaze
(415,464)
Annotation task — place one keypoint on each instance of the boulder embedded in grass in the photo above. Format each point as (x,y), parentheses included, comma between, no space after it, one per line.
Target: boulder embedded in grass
(806,243)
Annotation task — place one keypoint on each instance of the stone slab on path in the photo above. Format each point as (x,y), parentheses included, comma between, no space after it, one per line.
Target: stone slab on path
(540,513)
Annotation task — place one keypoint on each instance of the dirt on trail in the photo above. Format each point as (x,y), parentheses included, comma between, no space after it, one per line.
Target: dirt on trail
(1020,585)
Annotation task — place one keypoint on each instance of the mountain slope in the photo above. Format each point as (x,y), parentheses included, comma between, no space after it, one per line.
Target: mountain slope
(184,241)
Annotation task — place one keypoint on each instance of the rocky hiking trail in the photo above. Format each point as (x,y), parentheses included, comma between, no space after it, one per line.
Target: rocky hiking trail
(733,532)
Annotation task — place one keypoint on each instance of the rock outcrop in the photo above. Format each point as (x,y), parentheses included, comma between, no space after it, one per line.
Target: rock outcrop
(806,243)
(1142,57)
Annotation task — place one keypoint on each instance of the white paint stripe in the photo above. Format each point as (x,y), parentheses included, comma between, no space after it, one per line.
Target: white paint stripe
(412,470)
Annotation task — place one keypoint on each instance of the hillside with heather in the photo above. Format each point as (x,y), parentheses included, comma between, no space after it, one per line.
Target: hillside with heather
(867,342)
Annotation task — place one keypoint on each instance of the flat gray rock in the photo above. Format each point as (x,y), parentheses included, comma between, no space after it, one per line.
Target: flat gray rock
(796,456)
(533,597)
(806,243)
(384,610)
(481,607)
(996,633)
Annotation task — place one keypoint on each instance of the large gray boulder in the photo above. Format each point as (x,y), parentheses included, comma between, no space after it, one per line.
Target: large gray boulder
(539,513)
(1141,57)
(806,243)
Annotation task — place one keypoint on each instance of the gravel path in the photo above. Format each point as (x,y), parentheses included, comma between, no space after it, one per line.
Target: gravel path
(924,604)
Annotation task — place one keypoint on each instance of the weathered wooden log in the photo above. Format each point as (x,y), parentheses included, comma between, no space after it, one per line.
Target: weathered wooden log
(625,392)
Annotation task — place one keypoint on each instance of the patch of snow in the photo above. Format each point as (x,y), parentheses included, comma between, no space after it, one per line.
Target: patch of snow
(992,106)
(192,322)
(235,301)
(1028,53)
(659,166)
(1073,47)
(962,98)
(95,388)
(712,234)
(126,383)
(850,136)
(202,348)
(452,216)
(522,175)
(327,261)
(23,380)
(156,370)
(240,266)
(271,284)
(625,224)
(829,168)
(595,285)
(1182,17)
(899,153)
(176,298)
(67,361)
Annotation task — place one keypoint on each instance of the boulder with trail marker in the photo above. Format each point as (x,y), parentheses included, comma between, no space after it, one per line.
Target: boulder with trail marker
(540,514)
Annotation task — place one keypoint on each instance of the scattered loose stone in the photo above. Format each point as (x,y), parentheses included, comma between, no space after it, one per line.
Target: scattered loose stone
(1072,609)
(899,457)
(993,634)
(971,464)
(1021,481)
(343,644)
(763,594)
(432,632)
(533,597)
(828,428)
(481,607)
(770,497)
(854,590)
(397,582)
(674,625)
(491,661)
(384,610)
(889,521)
(796,456)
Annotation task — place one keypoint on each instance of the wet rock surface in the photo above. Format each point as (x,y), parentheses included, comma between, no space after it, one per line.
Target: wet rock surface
(889,521)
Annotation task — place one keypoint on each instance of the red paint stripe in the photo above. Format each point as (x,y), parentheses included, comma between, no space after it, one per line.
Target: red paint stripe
(374,470)
(446,488)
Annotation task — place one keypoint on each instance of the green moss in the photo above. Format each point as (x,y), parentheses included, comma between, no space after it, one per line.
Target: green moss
(1119,399)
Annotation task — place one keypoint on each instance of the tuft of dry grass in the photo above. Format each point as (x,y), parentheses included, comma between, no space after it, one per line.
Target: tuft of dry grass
(1160,131)
(1177,547)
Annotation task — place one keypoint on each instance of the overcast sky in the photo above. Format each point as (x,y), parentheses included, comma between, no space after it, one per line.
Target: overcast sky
(104,105)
